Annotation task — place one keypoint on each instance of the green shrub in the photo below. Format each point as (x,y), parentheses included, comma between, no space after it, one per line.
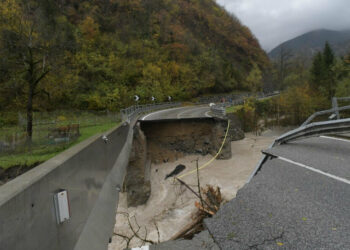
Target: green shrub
(8,119)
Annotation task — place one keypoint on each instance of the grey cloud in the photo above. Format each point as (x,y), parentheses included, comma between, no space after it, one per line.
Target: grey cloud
(275,21)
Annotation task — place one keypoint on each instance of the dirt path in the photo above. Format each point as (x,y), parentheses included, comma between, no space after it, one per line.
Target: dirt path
(171,206)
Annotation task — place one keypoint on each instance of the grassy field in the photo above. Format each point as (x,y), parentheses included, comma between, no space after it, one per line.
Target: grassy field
(45,152)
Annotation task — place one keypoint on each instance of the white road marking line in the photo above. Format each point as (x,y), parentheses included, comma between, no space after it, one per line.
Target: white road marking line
(315,170)
(179,114)
(160,111)
(207,114)
(334,138)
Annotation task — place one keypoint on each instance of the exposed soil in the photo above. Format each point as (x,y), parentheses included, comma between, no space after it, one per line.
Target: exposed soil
(167,141)
(12,172)
(170,140)
(137,182)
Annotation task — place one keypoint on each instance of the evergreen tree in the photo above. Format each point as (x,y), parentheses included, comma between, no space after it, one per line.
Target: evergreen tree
(328,56)
(329,60)
(322,73)
(317,71)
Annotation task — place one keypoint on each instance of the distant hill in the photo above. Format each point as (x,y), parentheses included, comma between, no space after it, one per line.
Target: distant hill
(310,43)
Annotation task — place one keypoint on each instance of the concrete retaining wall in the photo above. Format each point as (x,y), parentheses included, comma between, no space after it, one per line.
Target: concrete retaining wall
(91,173)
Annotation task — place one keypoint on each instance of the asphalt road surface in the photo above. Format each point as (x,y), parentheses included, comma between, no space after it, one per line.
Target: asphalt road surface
(179,113)
(300,199)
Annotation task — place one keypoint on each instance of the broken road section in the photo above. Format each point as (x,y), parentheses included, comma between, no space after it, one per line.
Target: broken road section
(285,206)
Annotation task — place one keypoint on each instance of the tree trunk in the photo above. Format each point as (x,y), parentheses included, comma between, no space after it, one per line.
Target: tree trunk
(30,115)
(32,84)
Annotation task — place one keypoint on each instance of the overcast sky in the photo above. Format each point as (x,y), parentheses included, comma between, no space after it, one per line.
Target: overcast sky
(275,21)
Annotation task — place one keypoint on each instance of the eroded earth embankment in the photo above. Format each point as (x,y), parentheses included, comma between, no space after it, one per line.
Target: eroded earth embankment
(164,141)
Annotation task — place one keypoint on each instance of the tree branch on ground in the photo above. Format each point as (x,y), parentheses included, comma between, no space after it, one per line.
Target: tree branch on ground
(155,224)
(136,232)
(194,192)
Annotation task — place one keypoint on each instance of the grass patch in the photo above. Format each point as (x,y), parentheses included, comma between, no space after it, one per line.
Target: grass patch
(233,109)
(231,236)
(41,154)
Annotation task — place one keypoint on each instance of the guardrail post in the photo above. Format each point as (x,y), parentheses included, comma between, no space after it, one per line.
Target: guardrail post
(335,107)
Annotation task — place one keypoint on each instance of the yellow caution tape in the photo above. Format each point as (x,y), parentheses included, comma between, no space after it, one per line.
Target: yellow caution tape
(211,160)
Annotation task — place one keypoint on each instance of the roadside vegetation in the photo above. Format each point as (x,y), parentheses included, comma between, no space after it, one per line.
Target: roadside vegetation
(44,146)
(305,89)
(96,55)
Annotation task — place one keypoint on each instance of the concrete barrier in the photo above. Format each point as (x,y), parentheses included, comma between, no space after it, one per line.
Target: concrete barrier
(91,172)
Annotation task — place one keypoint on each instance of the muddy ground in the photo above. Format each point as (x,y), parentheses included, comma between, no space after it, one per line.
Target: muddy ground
(170,207)
(9,174)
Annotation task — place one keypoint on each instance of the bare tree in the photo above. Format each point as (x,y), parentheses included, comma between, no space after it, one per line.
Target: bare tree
(29,40)
(284,57)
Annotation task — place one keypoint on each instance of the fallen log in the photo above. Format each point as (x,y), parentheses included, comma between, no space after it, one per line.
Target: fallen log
(186,229)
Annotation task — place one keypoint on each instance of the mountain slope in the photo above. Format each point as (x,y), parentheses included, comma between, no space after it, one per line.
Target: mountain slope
(310,43)
(119,48)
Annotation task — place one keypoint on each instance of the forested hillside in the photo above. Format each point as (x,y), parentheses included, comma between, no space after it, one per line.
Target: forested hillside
(97,54)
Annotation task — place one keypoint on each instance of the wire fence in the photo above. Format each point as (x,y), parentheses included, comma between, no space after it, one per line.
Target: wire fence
(52,129)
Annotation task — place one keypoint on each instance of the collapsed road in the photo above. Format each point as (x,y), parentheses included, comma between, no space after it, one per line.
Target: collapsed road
(162,141)
(171,206)
(298,200)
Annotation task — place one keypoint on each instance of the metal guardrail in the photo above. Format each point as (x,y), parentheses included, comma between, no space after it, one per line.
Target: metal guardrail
(230,99)
(131,112)
(316,129)
(240,101)
(220,108)
(324,112)
(220,98)
(218,111)
(308,129)
(335,103)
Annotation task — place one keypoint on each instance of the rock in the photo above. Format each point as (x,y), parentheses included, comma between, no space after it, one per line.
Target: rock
(236,133)
(179,168)
(218,135)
